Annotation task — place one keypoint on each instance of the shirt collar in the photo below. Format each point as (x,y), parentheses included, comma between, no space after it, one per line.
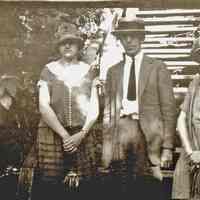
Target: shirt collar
(138,57)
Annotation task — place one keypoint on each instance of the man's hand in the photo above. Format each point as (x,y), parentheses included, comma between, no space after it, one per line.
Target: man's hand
(166,158)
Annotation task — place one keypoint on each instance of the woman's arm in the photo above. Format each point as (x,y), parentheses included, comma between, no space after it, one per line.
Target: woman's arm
(93,110)
(183,133)
(48,114)
(92,115)
(194,155)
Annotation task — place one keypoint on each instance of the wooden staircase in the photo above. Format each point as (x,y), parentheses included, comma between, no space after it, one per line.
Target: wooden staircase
(169,37)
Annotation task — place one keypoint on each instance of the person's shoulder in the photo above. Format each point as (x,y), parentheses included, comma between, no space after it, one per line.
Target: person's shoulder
(155,61)
(49,68)
(196,77)
(157,64)
(51,65)
(194,83)
(116,67)
(195,80)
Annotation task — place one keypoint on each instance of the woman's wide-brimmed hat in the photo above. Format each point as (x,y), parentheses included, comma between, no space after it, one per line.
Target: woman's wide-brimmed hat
(68,31)
(195,52)
(127,25)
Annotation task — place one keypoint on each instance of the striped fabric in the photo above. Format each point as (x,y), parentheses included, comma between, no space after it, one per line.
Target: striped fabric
(50,153)
(53,164)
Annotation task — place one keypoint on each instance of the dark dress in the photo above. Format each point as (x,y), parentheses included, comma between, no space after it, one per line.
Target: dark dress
(70,103)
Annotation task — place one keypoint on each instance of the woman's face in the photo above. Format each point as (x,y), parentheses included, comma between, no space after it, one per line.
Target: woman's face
(69,49)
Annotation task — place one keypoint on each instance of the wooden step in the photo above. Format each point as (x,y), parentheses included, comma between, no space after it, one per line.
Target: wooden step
(182,77)
(180,90)
(170,56)
(168,12)
(167,51)
(166,45)
(171,20)
(169,29)
(190,70)
(181,63)
(150,39)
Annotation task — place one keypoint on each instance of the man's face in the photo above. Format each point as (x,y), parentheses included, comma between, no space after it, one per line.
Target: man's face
(69,49)
(131,43)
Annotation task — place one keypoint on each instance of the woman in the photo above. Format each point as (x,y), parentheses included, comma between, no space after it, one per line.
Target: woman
(186,177)
(68,103)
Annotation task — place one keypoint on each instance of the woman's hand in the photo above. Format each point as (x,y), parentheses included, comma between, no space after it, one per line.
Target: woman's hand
(195,157)
(72,143)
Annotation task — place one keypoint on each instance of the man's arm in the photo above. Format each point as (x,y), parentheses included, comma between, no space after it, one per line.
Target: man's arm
(168,107)
(169,115)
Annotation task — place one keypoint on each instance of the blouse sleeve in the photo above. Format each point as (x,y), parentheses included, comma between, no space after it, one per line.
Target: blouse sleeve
(46,78)
(92,74)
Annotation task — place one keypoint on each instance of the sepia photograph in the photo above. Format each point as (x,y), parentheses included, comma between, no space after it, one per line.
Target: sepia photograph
(100,100)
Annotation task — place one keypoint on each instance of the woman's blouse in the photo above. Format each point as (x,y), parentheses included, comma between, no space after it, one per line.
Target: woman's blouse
(70,90)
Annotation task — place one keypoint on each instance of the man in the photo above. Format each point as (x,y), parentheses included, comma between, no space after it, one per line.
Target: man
(139,106)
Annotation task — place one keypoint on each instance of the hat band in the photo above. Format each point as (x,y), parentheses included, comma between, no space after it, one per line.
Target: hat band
(129,30)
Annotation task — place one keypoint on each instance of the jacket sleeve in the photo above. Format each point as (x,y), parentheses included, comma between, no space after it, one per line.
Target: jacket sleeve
(107,100)
(168,106)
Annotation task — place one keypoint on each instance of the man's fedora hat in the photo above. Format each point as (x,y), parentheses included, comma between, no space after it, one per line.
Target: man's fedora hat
(130,25)
(66,32)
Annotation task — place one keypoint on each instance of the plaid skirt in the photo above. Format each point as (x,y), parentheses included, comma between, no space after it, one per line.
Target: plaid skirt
(53,163)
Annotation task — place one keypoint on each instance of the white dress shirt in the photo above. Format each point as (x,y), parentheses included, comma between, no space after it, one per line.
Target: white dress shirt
(131,107)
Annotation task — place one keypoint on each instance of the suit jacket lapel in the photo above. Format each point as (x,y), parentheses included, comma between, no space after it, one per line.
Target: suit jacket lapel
(121,79)
(145,70)
(117,74)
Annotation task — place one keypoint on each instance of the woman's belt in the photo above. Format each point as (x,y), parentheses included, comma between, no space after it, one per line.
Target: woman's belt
(73,129)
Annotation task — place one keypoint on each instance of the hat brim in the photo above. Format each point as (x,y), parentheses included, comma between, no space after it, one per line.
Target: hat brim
(69,37)
(127,31)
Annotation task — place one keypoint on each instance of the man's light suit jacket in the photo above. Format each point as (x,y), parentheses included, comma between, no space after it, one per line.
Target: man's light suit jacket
(157,108)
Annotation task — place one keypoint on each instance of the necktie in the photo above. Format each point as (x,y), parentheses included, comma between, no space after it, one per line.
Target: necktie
(131,96)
